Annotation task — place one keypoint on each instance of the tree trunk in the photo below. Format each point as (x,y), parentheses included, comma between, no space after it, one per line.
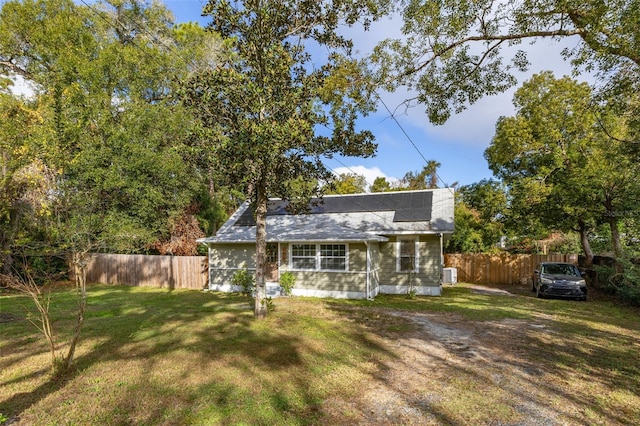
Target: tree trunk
(262,200)
(80,271)
(584,240)
(615,235)
(612,220)
(212,185)
(7,261)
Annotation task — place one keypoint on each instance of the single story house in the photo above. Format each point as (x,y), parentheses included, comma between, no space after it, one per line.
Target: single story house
(347,246)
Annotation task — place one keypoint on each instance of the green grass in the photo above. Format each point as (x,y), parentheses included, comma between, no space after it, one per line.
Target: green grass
(151,356)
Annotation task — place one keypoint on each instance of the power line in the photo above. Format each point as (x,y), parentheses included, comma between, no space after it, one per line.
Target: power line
(393,117)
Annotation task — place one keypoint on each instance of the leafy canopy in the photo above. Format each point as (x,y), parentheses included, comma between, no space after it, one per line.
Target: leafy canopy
(455,51)
(105,118)
(269,112)
(563,170)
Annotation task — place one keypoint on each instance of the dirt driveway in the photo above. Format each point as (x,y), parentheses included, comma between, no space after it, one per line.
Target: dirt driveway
(446,364)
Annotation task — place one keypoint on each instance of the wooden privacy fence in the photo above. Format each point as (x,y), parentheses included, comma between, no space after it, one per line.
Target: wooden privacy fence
(149,271)
(500,268)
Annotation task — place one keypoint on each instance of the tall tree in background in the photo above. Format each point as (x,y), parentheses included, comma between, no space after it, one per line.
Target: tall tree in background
(539,152)
(563,171)
(97,157)
(425,179)
(347,183)
(20,175)
(381,184)
(104,78)
(480,211)
(263,109)
(612,172)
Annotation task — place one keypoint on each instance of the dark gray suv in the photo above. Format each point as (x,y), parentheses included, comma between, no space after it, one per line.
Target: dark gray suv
(560,280)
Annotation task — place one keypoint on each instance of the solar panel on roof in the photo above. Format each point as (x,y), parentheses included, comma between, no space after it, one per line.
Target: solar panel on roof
(408,206)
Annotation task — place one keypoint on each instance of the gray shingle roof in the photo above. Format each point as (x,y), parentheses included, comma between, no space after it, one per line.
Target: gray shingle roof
(360,217)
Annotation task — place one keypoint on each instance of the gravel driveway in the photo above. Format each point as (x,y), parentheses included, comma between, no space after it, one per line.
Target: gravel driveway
(443,348)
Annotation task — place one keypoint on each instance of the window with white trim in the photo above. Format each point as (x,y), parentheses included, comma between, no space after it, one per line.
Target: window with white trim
(320,257)
(303,256)
(333,257)
(407,255)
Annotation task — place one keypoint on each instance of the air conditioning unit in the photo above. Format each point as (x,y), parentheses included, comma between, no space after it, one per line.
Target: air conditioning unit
(449,275)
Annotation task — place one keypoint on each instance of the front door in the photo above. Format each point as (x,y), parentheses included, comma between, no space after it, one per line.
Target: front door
(271,267)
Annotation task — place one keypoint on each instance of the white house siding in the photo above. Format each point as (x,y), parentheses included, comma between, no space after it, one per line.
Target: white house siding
(426,281)
(348,285)
(225,260)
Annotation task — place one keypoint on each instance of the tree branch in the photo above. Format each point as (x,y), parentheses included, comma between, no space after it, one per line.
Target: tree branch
(11,67)
(609,135)
(498,38)
(597,45)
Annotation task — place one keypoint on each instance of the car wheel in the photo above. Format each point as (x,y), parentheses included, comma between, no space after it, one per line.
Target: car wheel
(539,295)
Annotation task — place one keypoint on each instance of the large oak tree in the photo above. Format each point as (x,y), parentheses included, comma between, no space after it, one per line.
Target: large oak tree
(271,112)
(563,171)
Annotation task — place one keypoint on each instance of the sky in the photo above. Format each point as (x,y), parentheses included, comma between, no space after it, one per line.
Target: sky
(458,145)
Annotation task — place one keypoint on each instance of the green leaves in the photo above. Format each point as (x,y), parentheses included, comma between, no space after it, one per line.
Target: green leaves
(453,52)
(266,102)
(480,212)
(104,116)
(564,159)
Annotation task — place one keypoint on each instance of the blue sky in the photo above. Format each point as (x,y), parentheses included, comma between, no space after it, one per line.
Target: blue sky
(458,145)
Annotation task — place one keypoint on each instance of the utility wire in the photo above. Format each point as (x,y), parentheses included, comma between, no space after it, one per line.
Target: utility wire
(393,117)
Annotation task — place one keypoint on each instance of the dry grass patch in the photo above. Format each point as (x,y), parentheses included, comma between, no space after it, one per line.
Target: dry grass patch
(184,357)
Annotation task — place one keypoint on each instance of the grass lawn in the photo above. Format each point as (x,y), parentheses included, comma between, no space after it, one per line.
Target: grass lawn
(154,356)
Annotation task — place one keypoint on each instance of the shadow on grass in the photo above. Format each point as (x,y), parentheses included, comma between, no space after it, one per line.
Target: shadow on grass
(582,354)
(182,357)
(235,369)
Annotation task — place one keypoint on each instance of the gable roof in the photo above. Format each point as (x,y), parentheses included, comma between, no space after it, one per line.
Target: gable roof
(408,206)
(354,218)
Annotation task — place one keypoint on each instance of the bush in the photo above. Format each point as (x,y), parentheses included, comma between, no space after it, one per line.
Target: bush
(630,294)
(243,278)
(605,279)
(268,302)
(287,282)
(624,284)
(629,291)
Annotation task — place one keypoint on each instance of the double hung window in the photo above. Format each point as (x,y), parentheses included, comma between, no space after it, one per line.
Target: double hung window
(407,259)
(303,256)
(333,257)
(322,257)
